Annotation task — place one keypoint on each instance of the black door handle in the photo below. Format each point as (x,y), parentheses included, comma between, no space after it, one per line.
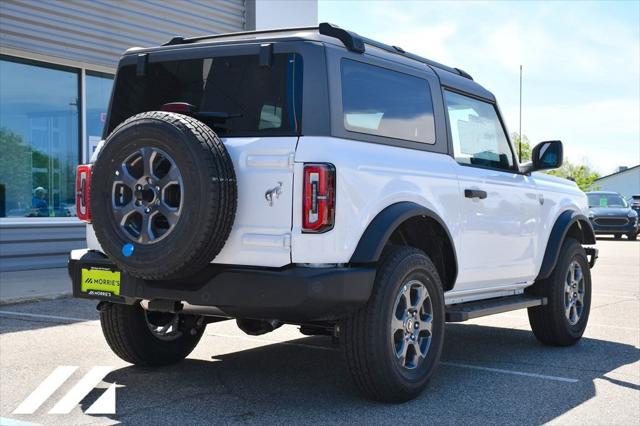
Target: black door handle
(475,193)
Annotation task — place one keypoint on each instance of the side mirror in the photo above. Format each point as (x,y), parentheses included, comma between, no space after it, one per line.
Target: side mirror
(544,156)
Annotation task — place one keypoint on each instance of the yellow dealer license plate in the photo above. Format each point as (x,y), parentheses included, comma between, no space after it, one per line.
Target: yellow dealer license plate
(97,281)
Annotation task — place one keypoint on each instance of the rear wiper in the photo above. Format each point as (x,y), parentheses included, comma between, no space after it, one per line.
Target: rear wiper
(217,115)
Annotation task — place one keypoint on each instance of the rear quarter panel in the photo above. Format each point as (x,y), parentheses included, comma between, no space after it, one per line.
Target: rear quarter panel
(369,178)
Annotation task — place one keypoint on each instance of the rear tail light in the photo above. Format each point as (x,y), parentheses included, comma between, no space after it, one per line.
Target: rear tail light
(180,107)
(319,198)
(83,183)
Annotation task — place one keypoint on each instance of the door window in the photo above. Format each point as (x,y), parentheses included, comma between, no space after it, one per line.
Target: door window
(477,134)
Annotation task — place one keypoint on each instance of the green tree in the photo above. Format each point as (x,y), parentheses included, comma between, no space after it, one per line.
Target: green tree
(526,146)
(581,174)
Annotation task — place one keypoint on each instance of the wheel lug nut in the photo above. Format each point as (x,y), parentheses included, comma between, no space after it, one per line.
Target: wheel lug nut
(138,187)
(147,210)
(157,188)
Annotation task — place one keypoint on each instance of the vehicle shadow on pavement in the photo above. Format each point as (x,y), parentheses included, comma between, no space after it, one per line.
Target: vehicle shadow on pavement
(305,381)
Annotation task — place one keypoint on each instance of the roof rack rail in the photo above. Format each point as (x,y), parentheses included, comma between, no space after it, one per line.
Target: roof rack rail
(182,40)
(351,41)
(356,43)
(464,73)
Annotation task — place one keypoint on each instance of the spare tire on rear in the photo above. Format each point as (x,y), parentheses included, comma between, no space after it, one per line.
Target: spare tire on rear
(163,195)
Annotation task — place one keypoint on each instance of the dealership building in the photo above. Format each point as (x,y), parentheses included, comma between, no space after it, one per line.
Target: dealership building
(625,181)
(57,64)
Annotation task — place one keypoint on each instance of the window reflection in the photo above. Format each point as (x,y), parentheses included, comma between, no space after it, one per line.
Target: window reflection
(39,137)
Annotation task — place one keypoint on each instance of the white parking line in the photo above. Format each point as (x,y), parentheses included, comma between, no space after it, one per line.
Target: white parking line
(25,314)
(524,318)
(4,421)
(515,373)
(324,348)
(619,296)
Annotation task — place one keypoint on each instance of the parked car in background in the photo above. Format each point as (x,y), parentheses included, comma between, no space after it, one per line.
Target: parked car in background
(634,202)
(610,213)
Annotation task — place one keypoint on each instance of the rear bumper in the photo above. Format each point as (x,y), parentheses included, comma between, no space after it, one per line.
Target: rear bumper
(293,293)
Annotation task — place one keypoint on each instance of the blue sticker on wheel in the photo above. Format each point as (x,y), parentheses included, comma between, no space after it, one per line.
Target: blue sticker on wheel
(127,250)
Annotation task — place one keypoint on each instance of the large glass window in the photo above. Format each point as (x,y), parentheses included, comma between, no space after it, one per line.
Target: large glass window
(477,134)
(39,139)
(97,91)
(234,94)
(382,102)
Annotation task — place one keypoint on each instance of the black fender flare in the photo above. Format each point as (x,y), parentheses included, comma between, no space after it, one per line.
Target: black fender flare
(563,224)
(377,234)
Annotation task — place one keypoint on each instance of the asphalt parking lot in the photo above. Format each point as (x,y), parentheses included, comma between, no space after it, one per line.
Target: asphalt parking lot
(492,371)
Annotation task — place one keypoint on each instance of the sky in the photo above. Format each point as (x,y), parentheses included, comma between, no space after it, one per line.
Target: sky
(581,62)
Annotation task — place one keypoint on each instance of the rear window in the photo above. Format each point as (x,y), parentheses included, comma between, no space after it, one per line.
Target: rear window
(387,103)
(233,94)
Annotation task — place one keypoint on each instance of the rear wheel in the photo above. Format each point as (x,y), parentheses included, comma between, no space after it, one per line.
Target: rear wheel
(632,236)
(393,344)
(562,321)
(148,338)
(617,236)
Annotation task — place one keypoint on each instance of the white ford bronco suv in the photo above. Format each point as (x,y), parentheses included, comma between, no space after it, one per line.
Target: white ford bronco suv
(315,177)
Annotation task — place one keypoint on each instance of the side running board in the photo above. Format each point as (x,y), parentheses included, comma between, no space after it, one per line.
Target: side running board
(466,311)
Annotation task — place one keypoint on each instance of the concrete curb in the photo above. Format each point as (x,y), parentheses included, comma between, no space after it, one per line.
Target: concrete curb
(35,298)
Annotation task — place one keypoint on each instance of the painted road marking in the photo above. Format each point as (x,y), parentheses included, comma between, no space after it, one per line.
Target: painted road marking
(45,390)
(88,382)
(451,364)
(514,372)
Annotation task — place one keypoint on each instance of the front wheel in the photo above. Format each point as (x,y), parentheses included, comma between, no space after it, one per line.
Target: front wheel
(393,344)
(149,338)
(562,321)
(617,236)
(632,236)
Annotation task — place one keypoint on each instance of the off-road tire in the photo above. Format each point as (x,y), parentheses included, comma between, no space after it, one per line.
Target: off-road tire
(617,236)
(366,336)
(209,197)
(128,335)
(549,322)
(632,236)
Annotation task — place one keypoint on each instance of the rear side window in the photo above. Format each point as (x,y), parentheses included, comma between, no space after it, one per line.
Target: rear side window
(233,94)
(387,103)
